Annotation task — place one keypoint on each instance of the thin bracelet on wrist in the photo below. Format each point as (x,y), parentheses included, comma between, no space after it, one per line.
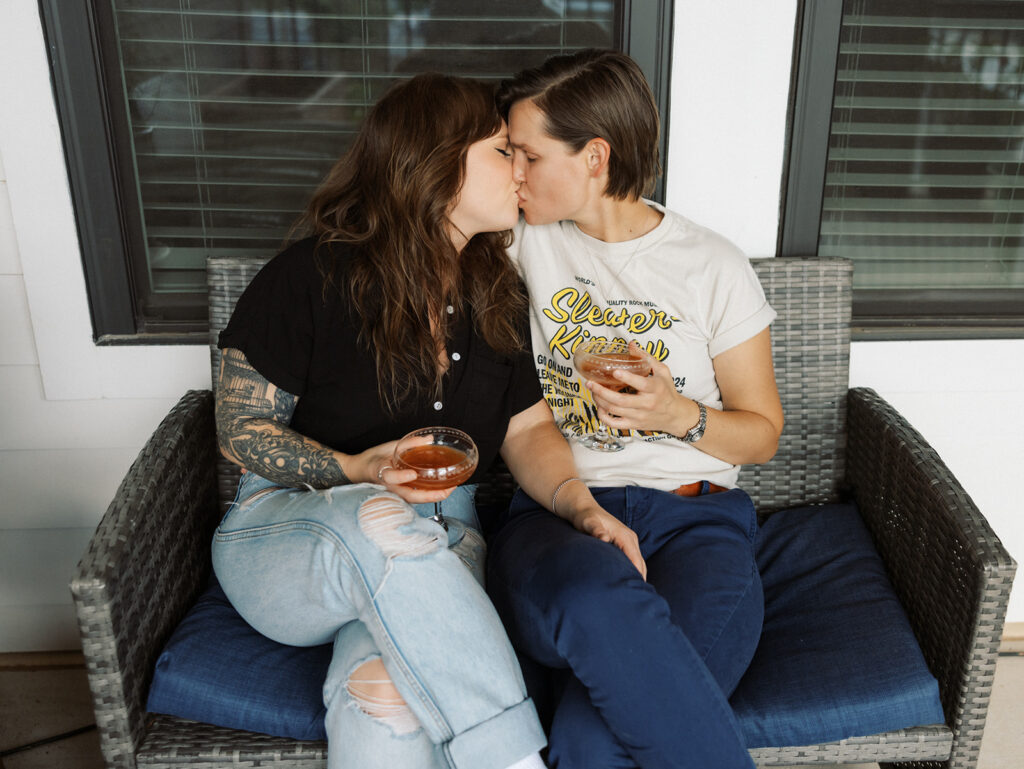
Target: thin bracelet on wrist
(554,497)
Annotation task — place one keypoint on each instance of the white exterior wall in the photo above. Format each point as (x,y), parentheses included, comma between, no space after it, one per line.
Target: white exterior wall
(730,85)
(73,415)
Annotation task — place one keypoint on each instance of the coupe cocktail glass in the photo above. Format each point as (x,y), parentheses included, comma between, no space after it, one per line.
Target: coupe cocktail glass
(442,457)
(595,360)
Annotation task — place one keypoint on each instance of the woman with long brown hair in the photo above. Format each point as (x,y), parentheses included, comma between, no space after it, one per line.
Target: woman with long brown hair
(400,310)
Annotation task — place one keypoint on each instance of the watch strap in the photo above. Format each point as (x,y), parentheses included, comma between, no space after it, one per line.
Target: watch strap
(696,432)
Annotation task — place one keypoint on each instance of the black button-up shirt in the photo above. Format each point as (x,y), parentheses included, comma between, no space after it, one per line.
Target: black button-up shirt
(306,343)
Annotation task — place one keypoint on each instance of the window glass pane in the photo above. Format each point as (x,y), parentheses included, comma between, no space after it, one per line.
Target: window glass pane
(925,178)
(238,108)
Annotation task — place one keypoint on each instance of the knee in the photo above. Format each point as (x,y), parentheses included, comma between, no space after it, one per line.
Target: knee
(371,690)
(391,524)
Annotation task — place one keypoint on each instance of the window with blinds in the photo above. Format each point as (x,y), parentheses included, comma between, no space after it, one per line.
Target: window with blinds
(235,109)
(924,182)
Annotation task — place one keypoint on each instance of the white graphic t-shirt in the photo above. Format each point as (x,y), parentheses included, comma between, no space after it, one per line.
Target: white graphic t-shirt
(683,292)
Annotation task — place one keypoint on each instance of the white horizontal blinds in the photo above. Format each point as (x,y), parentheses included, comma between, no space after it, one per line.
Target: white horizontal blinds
(924,185)
(239,107)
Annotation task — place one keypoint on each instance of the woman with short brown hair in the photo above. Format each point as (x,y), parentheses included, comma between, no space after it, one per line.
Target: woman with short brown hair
(653,660)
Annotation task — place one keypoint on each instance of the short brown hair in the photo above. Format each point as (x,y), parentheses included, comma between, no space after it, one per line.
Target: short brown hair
(596,94)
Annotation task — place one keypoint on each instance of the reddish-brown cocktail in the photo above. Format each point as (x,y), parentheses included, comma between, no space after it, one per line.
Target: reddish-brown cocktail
(596,360)
(441,466)
(599,367)
(442,457)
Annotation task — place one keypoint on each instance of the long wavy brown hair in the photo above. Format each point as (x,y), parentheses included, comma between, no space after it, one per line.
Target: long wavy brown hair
(388,198)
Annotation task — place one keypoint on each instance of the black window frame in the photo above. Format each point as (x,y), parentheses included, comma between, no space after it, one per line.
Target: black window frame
(82,54)
(877,315)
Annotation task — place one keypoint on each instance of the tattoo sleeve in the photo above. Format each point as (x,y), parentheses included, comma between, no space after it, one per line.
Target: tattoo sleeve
(252,429)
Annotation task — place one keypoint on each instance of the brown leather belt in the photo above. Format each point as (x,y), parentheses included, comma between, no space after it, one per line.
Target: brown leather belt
(696,488)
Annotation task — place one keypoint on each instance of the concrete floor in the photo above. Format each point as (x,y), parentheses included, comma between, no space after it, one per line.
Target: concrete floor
(42,696)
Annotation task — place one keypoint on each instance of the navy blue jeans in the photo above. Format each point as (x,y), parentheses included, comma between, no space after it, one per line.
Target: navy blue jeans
(652,663)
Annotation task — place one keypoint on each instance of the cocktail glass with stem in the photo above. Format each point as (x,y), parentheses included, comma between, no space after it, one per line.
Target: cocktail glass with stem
(442,457)
(595,360)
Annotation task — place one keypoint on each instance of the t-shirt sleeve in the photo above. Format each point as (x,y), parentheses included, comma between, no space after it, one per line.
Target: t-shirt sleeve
(273,321)
(738,310)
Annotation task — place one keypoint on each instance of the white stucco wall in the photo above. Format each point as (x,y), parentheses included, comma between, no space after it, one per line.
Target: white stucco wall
(73,415)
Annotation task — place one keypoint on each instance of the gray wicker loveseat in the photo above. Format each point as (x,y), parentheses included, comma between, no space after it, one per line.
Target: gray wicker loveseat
(149,557)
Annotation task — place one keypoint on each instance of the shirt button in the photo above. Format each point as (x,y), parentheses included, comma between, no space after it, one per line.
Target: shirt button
(456,356)
(451,309)
(437,405)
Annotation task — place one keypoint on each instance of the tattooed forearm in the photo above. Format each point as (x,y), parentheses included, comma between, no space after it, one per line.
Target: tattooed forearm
(252,430)
(280,455)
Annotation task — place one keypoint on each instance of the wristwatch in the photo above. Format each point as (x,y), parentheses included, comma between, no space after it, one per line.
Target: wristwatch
(696,432)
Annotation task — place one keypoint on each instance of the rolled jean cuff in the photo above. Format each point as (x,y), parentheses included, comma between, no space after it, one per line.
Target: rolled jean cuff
(500,741)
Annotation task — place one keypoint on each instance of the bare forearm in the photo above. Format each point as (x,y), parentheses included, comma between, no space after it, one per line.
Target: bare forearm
(736,437)
(745,431)
(540,460)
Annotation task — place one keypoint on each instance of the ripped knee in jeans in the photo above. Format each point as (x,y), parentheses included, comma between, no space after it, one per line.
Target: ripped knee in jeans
(382,519)
(373,692)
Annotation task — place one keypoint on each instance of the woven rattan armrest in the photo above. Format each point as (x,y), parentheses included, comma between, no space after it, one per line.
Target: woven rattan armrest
(949,569)
(145,564)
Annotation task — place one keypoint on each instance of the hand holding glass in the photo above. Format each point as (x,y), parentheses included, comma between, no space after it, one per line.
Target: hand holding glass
(596,360)
(442,457)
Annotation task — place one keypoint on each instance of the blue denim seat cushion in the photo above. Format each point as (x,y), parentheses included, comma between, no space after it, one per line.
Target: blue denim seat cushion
(217,669)
(837,656)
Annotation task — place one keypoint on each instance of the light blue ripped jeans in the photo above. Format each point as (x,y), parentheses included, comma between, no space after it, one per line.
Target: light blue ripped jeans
(382,580)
